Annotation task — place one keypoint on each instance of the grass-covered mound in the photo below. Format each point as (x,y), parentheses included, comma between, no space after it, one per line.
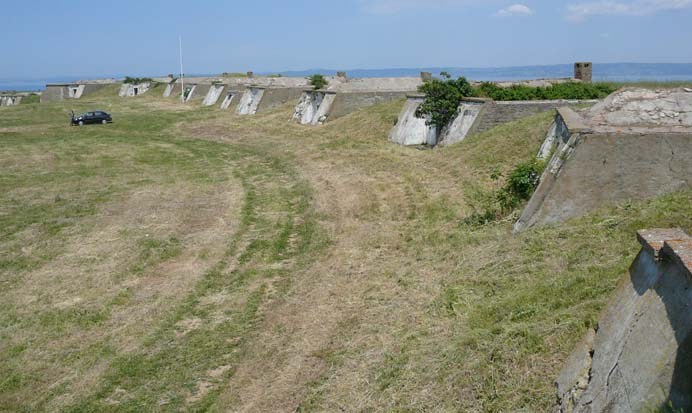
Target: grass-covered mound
(185,258)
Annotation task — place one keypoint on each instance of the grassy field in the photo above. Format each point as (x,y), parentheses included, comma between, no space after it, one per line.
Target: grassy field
(188,259)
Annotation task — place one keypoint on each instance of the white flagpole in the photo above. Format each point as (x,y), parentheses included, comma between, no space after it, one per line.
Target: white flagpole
(182,74)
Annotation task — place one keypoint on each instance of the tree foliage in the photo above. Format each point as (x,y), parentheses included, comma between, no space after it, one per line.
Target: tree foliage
(442,98)
(137,80)
(318,81)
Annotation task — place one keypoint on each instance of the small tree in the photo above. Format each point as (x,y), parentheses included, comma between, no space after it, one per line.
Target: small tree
(442,99)
(318,81)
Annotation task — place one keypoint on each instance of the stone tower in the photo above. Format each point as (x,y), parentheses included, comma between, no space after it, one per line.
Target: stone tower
(583,71)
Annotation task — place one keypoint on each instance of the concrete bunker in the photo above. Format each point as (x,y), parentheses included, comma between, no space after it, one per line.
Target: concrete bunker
(313,107)
(58,92)
(636,144)
(132,90)
(213,95)
(640,356)
(169,89)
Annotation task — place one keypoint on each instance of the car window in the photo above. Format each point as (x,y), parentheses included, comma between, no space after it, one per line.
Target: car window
(89,114)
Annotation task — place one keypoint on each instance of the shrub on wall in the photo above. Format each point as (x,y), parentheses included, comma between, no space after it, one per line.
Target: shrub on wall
(318,81)
(137,80)
(442,98)
(568,90)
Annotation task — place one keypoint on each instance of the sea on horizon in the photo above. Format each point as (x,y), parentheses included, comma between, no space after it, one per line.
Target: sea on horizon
(614,72)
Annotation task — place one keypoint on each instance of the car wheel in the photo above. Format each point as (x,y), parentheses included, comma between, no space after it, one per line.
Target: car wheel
(104,121)
(81,123)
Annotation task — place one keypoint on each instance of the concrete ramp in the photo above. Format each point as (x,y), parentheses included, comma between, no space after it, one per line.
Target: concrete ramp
(168,90)
(250,101)
(463,123)
(639,359)
(596,164)
(213,95)
(410,129)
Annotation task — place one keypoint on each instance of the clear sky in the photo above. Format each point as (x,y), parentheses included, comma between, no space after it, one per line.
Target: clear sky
(43,38)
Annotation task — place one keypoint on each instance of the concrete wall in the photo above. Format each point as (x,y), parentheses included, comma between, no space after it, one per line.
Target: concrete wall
(411,130)
(459,129)
(347,102)
(274,97)
(230,99)
(199,93)
(54,93)
(640,357)
(131,90)
(596,169)
(213,95)
(497,113)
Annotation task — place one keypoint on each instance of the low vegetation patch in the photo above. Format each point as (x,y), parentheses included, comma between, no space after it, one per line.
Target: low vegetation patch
(31,98)
(494,204)
(137,80)
(567,90)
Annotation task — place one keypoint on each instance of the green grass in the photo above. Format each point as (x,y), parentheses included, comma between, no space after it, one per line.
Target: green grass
(182,257)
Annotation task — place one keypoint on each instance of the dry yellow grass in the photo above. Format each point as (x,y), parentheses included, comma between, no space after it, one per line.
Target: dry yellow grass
(199,260)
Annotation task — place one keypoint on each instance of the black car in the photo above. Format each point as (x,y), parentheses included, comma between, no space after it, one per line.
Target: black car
(91,117)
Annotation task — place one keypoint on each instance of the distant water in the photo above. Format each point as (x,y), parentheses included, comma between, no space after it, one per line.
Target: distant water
(659,72)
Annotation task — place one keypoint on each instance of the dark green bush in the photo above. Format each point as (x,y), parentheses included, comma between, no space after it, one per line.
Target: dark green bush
(136,80)
(520,184)
(442,98)
(568,90)
(318,81)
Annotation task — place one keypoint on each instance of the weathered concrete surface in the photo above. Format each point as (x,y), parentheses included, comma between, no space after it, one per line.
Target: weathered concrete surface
(596,164)
(410,129)
(274,97)
(347,102)
(215,91)
(497,113)
(168,90)
(250,101)
(231,99)
(60,92)
(10,100)
(198,92)
(640,358)
(644,108)
(313,107)
(463,123)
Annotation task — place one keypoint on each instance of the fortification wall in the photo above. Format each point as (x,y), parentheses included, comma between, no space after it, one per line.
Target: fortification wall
(347,102)
(92,87)
(10,100)
(274,97)
(640,356)
(592,169)
(496,113)
(199,92)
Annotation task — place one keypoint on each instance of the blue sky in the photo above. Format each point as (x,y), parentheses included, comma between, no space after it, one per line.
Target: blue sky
(73,38)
